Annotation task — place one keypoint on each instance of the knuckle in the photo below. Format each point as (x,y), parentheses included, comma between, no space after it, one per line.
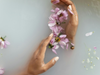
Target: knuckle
(44,69)
(37,58)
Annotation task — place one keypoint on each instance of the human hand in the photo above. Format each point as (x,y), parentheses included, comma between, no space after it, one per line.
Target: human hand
(71,28)
(37,65)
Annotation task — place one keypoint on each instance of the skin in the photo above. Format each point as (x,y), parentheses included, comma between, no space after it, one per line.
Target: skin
(37,65)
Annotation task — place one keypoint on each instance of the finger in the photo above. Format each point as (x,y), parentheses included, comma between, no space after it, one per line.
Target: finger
(51,62)
(37,51)
(41,54)
(67,2)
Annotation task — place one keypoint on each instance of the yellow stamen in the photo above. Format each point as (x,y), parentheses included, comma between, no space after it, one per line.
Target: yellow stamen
(57,39)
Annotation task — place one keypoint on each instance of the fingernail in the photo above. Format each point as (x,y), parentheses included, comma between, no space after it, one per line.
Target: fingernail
(70,7)
(51,35)
(57,58)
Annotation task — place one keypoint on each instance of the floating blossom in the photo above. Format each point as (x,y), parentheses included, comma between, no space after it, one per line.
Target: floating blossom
(94,52)
(56,1)
(95,47)
(88,53)
(88,60)
(94,65)
(91,67)
(89,49)
(3,42)
(88,34)
(1,71)
(91,57)
(86,68)
(97,58)
(83,61)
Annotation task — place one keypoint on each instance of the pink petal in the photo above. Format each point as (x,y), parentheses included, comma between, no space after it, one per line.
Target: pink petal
(52,10)
(62,43)
(54,51)
(56,47)
(7,43)
(66,40)
(61,19)
(55,43)
(67,46)
(51,23)
(55,2)
(70,11)
(62,46)
(65,13)
(72,44)
(95,48)
(59,12)
(2,44)
(57,9)
(1,71)
(62,36)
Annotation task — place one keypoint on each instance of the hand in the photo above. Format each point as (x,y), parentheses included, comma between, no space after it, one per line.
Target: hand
(71,28)
(37,65)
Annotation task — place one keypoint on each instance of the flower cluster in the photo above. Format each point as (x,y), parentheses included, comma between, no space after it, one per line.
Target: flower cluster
(55,21)
(1,71)
(3,42)
(91,55)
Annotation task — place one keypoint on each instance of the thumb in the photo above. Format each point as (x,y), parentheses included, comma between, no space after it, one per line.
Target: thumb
(51,62)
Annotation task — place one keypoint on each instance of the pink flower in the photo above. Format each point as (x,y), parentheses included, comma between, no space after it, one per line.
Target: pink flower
(3,43)
(53,45)
(58,17)
(56,1)
(1,71)
(62,15)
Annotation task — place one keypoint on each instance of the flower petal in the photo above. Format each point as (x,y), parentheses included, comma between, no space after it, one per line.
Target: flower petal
(54,51)
(56,47)
(67,46)
(61,19)
(57,9)
(62,43)
(66,40)
(62,46)
(7,43)
(71,11)
(1,71)
(62,36)
(95,47)
(55,43)
(88,34)
(59,12)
